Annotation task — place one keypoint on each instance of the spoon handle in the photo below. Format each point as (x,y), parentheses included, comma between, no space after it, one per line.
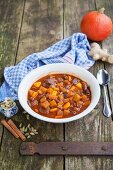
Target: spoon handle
(106,110)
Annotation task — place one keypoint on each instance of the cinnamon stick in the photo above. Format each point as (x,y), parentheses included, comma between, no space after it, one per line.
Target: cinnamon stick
(13,126)
(3,121)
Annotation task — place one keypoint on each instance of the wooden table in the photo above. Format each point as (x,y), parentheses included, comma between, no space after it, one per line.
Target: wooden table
(28,26)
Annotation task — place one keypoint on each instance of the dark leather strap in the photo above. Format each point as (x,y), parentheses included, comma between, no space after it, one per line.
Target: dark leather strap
(67,148)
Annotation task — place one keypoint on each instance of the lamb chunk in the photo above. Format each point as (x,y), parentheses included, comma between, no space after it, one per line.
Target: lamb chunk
(66,81)
(41,95)
(60,113)
(79,104)
(85,86)
(65,95)
(87,103)
(76,109)
(60,79)
(74,104)
(52,81)
(66,100)
(32,99)
(29,103)
(49,82)
(34,103)
(63,89)
(46,84)
(43,110)
(71,93)
(75,81)
(68,86)
(65,77)
(87,92)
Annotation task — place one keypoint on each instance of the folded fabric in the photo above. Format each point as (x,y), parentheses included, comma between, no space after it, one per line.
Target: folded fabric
(73,50)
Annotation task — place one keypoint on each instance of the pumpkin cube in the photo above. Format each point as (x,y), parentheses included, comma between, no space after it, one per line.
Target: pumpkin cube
(56,89)
(45,104)
(60,105)
(84,97)
(37,84)
(71,93)
(58,117)
(79,85)
(51,97)
(30,92)
(50,90)
(76,97)
(61,97)
(53,110)
(60,84)
(53,103)
(72,88)
(67,105)
(66,112)
(40,92)
(43,99)
(43,89)
(54,93)
(35,94)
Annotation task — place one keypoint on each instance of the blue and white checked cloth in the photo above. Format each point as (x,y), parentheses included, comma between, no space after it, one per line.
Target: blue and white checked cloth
(73,50)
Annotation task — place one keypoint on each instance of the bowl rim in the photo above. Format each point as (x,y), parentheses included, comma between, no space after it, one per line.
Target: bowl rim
(53,120)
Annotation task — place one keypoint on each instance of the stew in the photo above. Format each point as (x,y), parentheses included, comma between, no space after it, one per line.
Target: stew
(59,96)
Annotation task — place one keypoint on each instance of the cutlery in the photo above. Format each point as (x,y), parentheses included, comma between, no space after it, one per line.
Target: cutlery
(103,78)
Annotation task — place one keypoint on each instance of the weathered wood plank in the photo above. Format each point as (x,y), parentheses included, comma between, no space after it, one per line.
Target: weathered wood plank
(10,22)
(42,26)
(10,18)
(108,43)
(93,127)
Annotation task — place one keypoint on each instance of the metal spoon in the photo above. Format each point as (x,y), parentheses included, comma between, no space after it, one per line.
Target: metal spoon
(103,79)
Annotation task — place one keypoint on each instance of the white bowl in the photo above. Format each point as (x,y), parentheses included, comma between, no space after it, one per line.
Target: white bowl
(37,73)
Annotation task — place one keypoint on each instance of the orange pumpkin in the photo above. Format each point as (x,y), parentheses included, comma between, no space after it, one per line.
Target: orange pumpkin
(96,25)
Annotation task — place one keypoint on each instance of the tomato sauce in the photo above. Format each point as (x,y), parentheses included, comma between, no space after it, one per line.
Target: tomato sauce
(59,96)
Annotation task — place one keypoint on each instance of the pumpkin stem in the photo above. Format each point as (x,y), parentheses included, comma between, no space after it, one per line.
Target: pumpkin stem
(101,10)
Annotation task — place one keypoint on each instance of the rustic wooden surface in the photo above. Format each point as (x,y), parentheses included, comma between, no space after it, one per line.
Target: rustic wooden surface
(10,24)
(28,26)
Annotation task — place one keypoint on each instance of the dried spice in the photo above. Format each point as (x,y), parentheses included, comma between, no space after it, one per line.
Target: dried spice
(28,130)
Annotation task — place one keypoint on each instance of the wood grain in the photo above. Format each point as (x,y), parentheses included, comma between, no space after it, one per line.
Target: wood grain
(108,43)
(93,127)
(10,23)
(31,29)
(42,26)
(10,20)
